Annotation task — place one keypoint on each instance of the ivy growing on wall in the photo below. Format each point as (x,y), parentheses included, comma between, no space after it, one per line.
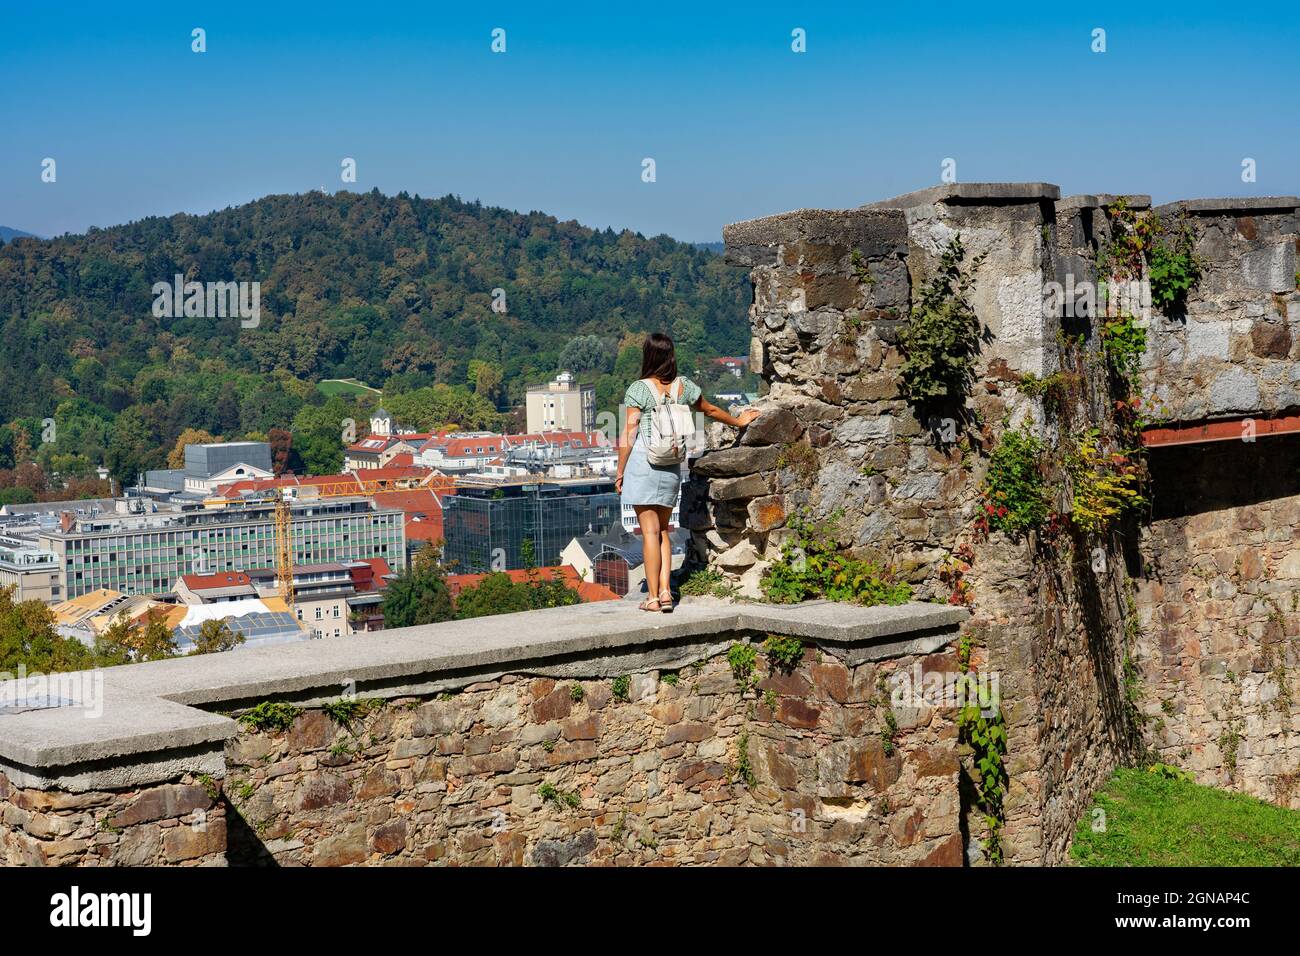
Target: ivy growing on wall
(1015,490)
(983,729)
(941,340)
(1167,253)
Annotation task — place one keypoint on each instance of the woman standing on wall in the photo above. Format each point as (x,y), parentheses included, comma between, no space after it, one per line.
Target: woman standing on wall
(648,478)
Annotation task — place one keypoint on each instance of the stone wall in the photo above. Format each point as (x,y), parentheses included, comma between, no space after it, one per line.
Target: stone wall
(654,779)
(173,824)
(1220,655)
(613,737)
(1059,621)
(1234,350)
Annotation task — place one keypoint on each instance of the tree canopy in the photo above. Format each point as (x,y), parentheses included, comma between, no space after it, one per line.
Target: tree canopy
(401,292)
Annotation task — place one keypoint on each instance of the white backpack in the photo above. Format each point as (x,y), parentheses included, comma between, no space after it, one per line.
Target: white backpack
(671,426)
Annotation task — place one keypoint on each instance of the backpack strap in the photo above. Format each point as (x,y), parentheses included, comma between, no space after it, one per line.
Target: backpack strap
(676,388)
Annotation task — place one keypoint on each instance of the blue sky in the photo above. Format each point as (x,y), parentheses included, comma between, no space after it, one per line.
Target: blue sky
(738,124)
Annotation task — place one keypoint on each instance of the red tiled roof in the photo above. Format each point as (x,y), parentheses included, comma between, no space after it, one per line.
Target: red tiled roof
(424,529)
(224,579)
(395,470)
(594,439)
(468,447)
(370,578)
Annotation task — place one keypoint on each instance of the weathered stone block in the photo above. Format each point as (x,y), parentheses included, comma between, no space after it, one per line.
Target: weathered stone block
(734,462)
(766,513)
(192,843)
(750,486)
(161,803)
(775,426)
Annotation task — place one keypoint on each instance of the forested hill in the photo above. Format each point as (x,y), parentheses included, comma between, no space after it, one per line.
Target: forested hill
(395,291)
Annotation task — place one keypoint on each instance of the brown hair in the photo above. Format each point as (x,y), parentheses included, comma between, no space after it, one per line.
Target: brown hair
(658,358)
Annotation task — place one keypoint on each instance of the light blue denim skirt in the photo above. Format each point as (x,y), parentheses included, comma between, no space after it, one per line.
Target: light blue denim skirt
(647,484)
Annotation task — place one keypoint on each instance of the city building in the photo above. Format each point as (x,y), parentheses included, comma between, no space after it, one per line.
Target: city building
(323,594)
(379,451)
(735,364)
(561,405)
(485,524)
(260,621)
(614,559)
(460,452)
(207,467)
(146,552)
(32,572)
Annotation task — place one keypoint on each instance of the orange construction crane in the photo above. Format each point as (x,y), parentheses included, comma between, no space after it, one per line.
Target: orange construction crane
(284,548)
(341,488)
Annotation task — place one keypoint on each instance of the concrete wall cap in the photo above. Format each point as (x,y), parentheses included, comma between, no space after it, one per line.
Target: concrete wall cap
(154,707)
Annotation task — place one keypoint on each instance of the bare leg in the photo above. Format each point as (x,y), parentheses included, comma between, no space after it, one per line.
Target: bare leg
(665,550)
(648,517)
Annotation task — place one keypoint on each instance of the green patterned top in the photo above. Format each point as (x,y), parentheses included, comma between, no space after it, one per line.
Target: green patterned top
(640,395)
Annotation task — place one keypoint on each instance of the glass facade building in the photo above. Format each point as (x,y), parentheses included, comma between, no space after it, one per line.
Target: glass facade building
(485,528)
(145,554)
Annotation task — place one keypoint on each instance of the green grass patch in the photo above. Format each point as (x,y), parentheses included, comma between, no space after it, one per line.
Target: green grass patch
(1152,819)
(344,386)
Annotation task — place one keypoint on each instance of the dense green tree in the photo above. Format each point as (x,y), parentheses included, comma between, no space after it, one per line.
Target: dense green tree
(419,595)
(443,406)
(587,353)
(494,594)
(28,637)
(127,642)
(214,637)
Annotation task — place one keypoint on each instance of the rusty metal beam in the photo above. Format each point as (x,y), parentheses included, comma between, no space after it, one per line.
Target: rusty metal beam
(1228,429)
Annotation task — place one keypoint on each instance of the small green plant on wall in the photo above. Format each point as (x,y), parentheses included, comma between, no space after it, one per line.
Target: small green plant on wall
(1124,340)
(1103,485)
(941,339)
(741,658)
(783,653)
(270,715)
(621,687)
(1168,255)
(1015,492)
(816,566)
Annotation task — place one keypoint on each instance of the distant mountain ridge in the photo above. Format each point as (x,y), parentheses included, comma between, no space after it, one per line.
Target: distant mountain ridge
(405,293)
(7,234)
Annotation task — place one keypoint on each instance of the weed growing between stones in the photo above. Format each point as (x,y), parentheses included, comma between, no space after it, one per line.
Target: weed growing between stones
(815,566)
(783,653)
(708,582)
(1144,243)
(622,687)
(1015,490)
(561,798)
(941,340)
(1103,486)
(986,735)
(741,657)
(270,715)
(799,457)
(743,769)
(346,710)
